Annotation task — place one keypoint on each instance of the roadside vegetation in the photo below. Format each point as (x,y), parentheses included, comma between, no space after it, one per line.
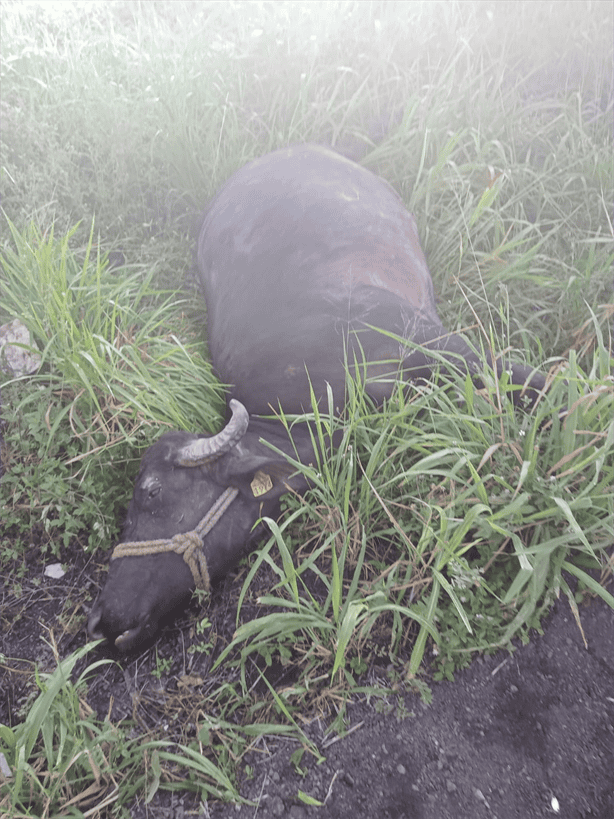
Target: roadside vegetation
(446,523)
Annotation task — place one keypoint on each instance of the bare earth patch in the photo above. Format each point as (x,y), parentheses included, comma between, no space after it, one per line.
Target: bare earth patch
(508,737)
(527,734)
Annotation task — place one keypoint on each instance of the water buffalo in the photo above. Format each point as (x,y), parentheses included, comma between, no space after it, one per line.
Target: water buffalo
(309,263)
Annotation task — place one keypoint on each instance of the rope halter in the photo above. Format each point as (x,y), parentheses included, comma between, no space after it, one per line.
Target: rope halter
(188,544)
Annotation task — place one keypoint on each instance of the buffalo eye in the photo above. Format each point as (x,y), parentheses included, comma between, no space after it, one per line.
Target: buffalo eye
(151,487)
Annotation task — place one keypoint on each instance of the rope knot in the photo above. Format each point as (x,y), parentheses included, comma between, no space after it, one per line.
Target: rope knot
(190,546)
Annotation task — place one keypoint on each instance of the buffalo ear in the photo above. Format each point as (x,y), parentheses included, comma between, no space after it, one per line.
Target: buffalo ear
(259,478)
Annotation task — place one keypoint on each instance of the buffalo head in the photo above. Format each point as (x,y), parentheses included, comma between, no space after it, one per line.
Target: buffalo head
(225,482)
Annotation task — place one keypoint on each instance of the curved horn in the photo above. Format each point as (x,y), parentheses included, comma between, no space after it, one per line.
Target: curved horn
(206,450)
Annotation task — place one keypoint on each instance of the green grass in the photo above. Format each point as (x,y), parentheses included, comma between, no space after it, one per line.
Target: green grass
(119,360)
(108,335)
(487,509)
(63,757)
(445,523)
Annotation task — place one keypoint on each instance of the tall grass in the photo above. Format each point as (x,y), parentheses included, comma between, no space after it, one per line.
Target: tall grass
(487,510)
(445,523)
(106,335)
(120,360)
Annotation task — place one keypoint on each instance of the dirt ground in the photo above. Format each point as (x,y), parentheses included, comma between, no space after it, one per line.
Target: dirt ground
(516,736)
(519,735)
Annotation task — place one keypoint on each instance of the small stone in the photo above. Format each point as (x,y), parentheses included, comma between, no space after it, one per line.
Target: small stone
(14,359)
(401,769)
(277,806)
(450,785)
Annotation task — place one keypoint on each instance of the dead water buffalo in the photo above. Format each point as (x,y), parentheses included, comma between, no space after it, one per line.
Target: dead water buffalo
(304,259)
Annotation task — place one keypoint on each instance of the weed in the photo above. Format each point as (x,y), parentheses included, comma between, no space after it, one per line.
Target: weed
(162,666)
(63,755)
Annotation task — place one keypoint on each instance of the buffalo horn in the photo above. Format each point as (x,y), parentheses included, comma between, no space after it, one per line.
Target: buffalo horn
(204,450)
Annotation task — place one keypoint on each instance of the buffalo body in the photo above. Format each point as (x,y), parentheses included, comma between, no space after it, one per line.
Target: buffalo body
(310,265)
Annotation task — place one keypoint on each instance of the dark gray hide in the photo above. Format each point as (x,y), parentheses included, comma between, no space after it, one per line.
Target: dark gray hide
(301,254)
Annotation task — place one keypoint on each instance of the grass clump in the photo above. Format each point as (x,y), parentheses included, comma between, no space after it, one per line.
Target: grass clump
(61,757)
(107,336)
(118,361)
(458,516)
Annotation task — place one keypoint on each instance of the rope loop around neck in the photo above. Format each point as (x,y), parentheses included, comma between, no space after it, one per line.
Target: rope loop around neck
(188,544)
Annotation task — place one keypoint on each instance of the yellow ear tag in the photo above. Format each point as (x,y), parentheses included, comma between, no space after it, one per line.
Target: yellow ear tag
(261,484)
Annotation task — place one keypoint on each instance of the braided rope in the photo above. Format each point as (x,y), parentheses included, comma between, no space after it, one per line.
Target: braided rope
(188,544)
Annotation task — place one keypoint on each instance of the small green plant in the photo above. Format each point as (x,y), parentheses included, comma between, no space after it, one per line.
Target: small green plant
(49,491)
(204,647)
(163,666)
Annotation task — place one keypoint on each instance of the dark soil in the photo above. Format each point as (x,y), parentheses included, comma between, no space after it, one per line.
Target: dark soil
(511,735)
(518,735)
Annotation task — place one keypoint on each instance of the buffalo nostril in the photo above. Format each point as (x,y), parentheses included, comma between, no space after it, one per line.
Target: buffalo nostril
(128,640)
